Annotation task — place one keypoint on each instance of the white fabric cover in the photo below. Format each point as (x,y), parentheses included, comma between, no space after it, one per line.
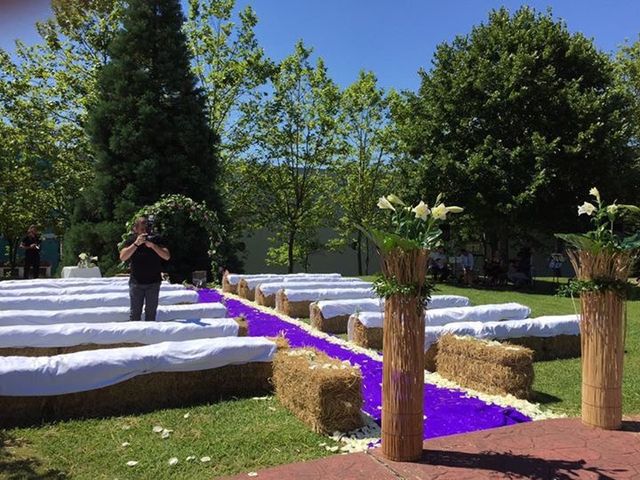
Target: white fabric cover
(271,288)
(336,308)
(59,282)
(314,295)
(480,313)
(448,301)
(72,334)
(234,278)
(108,299)
(109,314)
(89,370)
(253,283)
(547,326)
(443,316)
(81,289)
(78,272)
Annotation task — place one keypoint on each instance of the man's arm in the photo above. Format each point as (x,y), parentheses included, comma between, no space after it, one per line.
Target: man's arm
(162,252)
(126,252)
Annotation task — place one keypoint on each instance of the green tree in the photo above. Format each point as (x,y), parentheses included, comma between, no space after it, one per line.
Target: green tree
(149,131)
(515,121)
(44,90)
(294,142)
(363,171)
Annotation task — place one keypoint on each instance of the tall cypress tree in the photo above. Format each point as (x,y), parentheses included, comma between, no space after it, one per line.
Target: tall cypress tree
(148,127)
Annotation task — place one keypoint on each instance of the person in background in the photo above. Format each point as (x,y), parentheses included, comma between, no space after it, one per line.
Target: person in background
(146,254)
(467,263)
(555,265)
(31,244)
(438,264)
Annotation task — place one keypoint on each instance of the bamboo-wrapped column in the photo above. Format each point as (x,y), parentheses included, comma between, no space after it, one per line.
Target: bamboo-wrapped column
(602,331)
(403,357)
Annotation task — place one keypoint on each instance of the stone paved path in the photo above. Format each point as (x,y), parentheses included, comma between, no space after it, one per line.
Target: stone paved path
(560,449)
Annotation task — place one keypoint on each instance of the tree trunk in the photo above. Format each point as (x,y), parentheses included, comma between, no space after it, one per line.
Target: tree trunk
(290,245)
(359,252)
(367,256)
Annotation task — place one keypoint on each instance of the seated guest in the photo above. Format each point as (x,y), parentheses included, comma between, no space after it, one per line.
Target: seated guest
(467,263)
(495,272)
(515,276)
(438,264)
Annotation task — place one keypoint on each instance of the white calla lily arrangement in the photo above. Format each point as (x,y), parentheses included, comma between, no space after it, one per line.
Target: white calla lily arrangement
(603,237)
(410,227)
(86,260)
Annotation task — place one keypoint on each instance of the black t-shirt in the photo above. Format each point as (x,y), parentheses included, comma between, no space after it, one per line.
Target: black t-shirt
(146,265)
(27,241)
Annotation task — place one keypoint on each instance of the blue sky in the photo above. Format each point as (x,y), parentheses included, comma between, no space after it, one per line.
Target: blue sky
(394,38)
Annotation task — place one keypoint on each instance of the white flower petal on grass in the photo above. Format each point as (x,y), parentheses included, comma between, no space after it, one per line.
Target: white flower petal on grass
(191,458)
(157,429)
(252,474)
(186,415)
(165,433)
(132,463)
(125,444)
(273,409)
(205,459)
(126,427)
(173,461)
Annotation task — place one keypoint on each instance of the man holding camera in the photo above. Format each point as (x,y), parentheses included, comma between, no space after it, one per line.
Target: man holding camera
(146,253)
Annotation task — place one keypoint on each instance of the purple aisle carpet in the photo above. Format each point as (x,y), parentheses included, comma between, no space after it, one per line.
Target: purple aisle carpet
(448,411)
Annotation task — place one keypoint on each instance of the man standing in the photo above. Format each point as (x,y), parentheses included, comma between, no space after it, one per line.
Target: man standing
(31,244)
(146,254)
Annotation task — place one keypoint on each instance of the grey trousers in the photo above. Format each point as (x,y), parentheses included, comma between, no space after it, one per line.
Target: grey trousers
(143,294)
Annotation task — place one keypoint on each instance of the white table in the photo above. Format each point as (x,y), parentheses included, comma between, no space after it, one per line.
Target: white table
(77,272)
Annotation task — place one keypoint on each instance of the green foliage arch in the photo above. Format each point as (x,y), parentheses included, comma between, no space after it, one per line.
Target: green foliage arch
(182,221)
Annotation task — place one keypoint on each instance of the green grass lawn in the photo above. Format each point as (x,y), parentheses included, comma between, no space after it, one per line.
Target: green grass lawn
(245,435)
(238,436)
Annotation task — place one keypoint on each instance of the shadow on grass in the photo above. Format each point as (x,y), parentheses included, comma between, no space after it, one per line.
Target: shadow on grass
(509,465)
(544,398)
(20,468)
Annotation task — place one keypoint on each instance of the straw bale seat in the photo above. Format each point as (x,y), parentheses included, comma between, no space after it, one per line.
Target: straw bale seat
(321,391)
(49,340)
(487,366)
(192,311)
(122,381)
(297,302)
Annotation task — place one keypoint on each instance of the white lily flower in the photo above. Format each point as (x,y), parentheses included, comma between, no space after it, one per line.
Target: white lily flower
(612,209)
(587,208)
(385,204)
(455,209)
(82,256)
(439,212)
(395,199)
(421,210)
(594,192)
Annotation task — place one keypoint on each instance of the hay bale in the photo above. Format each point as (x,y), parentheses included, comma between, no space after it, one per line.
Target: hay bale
(367,337)
(430,356)
(491,367)
(228,287)
(299,309)
(321,391)
(337,324)
(264,300)
(51,351)
(140,394)
(244,291)
(550,348)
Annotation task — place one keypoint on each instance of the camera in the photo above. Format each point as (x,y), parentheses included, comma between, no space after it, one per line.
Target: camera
(151,233)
